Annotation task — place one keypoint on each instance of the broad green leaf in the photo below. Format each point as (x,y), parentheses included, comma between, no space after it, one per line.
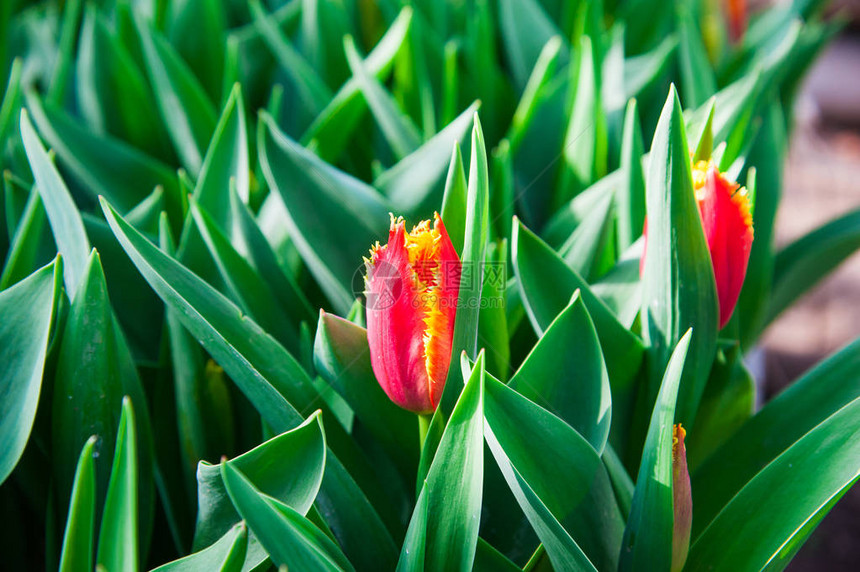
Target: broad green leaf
(782,504)
(31,246)
(196,29)
(630,195)
(648,536)
(492,318)
(678,287)
(245,286)
(767,154)
(444,527)
(312,91)
(502,192)
(65,51)
(525,29)
(454,200)
(288,467)
(554,483)
(472,258)
(268,376)
(488,559)
(118,535)
(397,128)
(185,108)
(291,540)
(565,373)
(728,401)
(792,414)
(226,159)
(333,218)
(66,223)
(585,142)
(28,310)
(77,551)
(331,130)
(102,165)
(546,284)
(94,370)
(415,184)
(112,92)
(587,247)
(342,358)
(644,70)
(801,264)
(535,89)
(698,81)
(620,288)
(227,554)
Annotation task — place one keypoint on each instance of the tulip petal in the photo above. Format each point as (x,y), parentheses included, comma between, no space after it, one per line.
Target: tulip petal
(395,324)
(728,228)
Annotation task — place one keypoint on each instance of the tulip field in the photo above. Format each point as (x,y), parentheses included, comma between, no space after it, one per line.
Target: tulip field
(412,285)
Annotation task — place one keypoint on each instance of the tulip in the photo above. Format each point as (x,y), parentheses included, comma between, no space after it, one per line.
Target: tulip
(682,500)
(411,285)
(724,209)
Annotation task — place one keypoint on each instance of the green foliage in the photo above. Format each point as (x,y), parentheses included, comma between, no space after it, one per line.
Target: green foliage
(189,188)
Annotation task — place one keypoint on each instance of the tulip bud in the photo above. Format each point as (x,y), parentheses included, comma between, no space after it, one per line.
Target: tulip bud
(412,284)
(724,209)
(682,500)
(726,219)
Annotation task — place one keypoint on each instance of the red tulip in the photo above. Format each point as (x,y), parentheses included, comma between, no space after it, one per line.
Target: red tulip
(724,209)
(412,284)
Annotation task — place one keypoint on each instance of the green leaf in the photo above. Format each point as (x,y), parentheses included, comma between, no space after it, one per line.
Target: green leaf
(535,90)
(565,373)
(112,92)
(102,165)
(78,538)
(227,554)
(443,530)
(795,412)
(492,318)
(785,501)
(268,376)
(454,200)
(678,287)
(585,142)
(630,195)
(414,185)
(342,358)
(290,539)
(397,128)
(245,286)
(648,536)
(488,559)
(94,370)
(226,159)
(525,30)
(643,71)
(587,249)
(31,245)
(66,223)
(196,29)
(312,91)
(118,536)
(28,310)
(546,284)
(697,75)
(288,467)
(556,484)
(801,264)
(333,218)
(331,130)
(185,108)
(472,258)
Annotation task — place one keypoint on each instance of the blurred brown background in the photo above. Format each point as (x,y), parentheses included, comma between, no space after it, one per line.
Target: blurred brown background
(822,181)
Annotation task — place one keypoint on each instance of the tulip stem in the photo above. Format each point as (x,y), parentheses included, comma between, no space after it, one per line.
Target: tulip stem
(423,427)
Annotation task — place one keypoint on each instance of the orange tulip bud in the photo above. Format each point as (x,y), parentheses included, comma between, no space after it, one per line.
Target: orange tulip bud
(682,499)
(412,284)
